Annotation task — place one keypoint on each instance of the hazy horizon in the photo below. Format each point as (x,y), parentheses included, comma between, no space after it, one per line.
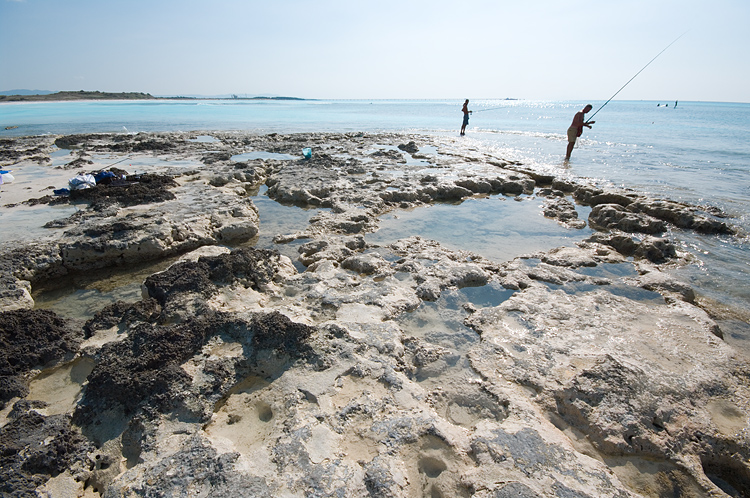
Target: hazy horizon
(332,49)
(297,97)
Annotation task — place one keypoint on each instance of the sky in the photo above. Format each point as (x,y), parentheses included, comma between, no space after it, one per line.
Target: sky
(386,49)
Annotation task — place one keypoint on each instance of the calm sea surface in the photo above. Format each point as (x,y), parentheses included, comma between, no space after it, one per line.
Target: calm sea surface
(697,152)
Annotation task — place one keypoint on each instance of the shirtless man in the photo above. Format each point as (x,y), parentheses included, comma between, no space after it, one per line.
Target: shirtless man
(576,129)
(466,112)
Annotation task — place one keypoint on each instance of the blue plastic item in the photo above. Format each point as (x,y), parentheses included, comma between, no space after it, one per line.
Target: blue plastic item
(101,175)
(307,152)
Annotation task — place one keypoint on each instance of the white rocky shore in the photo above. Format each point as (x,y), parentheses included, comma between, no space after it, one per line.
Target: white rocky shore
(401,370)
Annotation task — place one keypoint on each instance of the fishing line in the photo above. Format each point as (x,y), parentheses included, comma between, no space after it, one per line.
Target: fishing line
(623,86)
(636,74)
(490,109)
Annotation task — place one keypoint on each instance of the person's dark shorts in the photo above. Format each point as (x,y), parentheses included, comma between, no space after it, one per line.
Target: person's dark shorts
(466,119)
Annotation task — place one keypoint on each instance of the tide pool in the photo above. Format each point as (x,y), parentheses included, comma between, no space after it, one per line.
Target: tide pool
(696,152)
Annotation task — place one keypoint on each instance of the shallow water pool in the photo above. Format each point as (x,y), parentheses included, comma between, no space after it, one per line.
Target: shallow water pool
(497,227)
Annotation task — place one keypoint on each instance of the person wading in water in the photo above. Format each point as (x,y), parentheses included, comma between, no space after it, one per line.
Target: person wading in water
(466,112)
(576,129)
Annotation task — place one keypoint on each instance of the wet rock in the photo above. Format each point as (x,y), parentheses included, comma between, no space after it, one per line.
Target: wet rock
(31,339)
(389,154)
(554,274)
(242,174)
(614,216)
(624,243)
(34,448)
(144,369)
(101,142)
(654,249)
(680,215)
(584,193)
(135,190)
(79,163)
(306,183)
(185,289)
(407,197)
(317,251)
(73,141)
(540,179)
(14,293)
(33,262)
(563,210)
(424,353)
(134,238)
(365,264)
(576,257)
(410,147)
(430,290)
(251,268)
(564,185)
(611,198)
(475,185)
(667,285)
(147,236)
(447,192)
(147,146)
(218,157)
(122,313)
(512,185)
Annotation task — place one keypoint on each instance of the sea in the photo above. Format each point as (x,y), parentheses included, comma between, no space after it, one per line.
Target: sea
(695,152)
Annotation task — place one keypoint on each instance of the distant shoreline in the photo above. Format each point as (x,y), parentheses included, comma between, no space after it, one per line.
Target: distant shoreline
(84,95)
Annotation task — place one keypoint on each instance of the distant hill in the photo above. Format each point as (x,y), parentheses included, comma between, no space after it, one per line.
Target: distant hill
(79,95)
(41,96)
(26,92)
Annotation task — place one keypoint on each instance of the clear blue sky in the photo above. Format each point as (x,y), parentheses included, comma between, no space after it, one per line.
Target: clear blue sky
(528,49)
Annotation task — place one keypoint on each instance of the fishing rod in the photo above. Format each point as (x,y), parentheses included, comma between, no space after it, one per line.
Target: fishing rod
(490,109)
(117,162)
(636,74)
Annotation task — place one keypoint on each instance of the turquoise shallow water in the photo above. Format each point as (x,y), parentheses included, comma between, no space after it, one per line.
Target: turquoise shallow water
(697,152)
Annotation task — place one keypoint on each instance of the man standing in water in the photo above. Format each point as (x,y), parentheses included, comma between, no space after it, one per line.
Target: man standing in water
(576,129)
(466,112)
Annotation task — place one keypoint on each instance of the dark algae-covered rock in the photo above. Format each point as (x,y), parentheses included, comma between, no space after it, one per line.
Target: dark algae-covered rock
(31,339)
(132,191)
(250,267)
(144,368)
(34,448)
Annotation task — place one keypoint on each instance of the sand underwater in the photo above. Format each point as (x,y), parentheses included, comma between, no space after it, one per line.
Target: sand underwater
(341,365)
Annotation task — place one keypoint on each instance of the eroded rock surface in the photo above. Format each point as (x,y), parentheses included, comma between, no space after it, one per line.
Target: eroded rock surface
(395,370)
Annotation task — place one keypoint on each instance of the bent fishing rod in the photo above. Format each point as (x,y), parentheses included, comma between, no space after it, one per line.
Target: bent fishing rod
(490,109)
(636,74)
